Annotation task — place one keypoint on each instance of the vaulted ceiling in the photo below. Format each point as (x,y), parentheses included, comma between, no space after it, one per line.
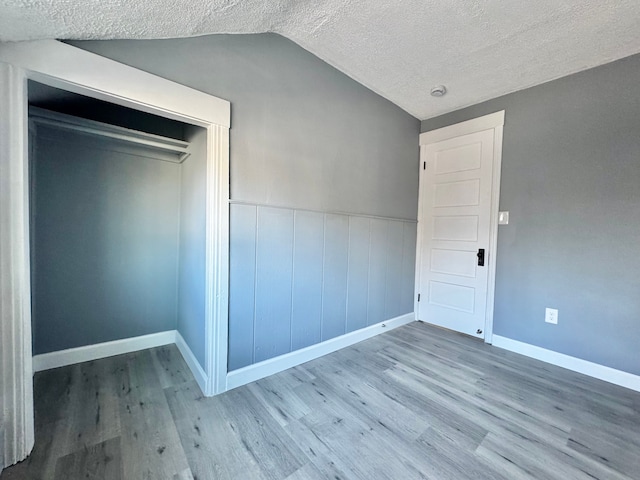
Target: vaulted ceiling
(479,49)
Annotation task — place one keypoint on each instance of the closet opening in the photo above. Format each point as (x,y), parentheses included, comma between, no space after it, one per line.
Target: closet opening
(117,219)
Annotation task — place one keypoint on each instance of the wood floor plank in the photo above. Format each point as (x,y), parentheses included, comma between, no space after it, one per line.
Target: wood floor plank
(319,453)
(472,406)
(76,407)
(93,413)
(607,449)
(170,366)
(54,390)
(360,442)
(100,462)
(417,402)
(151,447)
(448,461)
(358,446)
(41,464)
(212,447)
(184,475)
(261,435)
(308,472)
(275,395)
(440,415)
(372,404)
(527,453)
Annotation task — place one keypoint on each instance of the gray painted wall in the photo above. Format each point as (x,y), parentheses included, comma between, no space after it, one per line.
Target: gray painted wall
(191,270)
(308,138)
(106,243)
(303,134)
(570,179)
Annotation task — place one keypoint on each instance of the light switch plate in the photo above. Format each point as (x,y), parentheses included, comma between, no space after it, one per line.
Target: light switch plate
(503,218)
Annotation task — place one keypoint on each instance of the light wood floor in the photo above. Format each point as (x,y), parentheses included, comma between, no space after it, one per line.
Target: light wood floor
(415,403)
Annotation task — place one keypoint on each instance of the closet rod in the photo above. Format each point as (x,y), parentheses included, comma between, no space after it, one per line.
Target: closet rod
(91,127)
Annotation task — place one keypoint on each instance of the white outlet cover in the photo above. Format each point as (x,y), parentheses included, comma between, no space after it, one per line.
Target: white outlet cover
(551,315)
(503,218)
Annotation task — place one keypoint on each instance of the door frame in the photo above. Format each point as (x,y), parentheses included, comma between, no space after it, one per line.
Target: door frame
(63,66)
(493,121)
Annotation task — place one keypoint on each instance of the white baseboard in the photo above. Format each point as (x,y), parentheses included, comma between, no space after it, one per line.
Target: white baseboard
(248,374)
(70,356)
(191,360)
(608,374)
(87,353)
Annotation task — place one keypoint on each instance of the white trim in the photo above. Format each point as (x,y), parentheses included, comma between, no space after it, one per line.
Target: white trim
(263,369)
(192,362)
(69,68)
(419,235)
(493,232)
(16,387)
(217,260)
(64,66)
(87,353)
(595,370)
(97,351)
(493,120)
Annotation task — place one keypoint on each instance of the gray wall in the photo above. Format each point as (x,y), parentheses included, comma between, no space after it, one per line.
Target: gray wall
(303,134)
(310,139)
(570,179)
(106,243)
(191,270)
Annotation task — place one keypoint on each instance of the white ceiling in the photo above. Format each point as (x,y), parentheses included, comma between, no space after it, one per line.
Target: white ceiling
(398,48)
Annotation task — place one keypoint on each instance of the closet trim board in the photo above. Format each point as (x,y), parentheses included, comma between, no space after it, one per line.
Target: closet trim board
(175,150)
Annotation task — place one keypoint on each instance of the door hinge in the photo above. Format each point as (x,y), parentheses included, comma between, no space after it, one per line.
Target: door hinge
(418,297)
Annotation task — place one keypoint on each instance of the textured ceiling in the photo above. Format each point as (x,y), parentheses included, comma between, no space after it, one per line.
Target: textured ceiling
(398,48)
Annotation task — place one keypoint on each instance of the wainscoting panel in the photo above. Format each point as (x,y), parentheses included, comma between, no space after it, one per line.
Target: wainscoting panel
(358,286)
(334,285)
(408,266)
(274,274)
(242,285)
(306,304)
(300,277)
(393,290)
(378,250)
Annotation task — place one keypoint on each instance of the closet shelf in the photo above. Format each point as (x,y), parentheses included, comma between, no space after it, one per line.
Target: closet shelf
(177,149)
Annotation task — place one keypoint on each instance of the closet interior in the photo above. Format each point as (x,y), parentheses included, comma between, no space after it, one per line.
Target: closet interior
(117,224)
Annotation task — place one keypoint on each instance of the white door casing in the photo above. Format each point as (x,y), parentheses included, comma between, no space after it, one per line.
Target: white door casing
(16,388)
(457,216)
(69,68)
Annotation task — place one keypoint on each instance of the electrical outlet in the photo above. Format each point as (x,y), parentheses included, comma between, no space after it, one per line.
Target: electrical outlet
(551,315)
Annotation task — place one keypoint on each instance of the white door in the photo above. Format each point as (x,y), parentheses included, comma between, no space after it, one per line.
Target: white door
(455,232)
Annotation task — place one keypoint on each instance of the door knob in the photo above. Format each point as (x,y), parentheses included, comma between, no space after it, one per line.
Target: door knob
(480,256)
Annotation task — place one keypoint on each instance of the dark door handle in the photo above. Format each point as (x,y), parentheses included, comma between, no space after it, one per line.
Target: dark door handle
(480,257)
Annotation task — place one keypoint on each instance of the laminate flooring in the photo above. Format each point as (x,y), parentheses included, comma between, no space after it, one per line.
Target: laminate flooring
(417,402)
